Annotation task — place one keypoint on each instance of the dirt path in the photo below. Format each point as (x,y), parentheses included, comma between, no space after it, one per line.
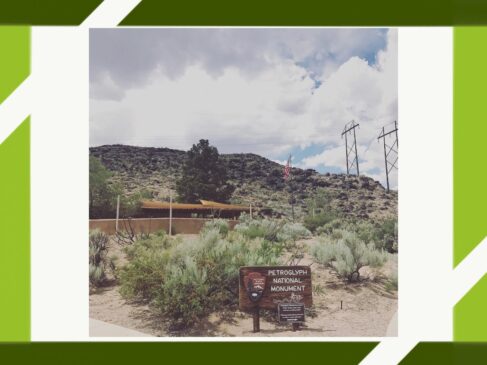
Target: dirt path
(107,305)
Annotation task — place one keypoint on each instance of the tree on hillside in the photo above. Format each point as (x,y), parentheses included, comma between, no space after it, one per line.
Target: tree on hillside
(204,175)
(102,195)
(104,192)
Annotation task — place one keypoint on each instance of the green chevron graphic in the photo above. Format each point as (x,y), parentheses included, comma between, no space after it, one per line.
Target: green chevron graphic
(14,61)
(470,175)
(46,12)
(15,241)
(470,319)
(344,353)
(14,195)
(469,134)
(308,12)
(254,12)
(453,353)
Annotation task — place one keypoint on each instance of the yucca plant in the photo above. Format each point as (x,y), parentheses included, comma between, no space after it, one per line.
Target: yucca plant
(98,262)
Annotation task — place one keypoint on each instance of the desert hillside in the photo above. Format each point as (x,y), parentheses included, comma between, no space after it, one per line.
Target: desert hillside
(257,180)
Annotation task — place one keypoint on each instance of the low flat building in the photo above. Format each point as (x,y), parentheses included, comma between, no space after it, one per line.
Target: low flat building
(204,209)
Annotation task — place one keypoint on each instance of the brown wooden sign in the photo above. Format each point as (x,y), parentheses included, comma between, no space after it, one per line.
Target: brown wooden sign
(268,286)
(290,312)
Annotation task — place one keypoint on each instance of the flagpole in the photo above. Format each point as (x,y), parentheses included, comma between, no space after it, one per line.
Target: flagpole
(287,174)
(292,196)
(291,185)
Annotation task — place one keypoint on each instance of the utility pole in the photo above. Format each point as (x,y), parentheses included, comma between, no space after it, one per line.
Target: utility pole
(394,147)
(352,150)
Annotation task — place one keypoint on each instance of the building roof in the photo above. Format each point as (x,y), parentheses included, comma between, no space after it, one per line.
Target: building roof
(205,205)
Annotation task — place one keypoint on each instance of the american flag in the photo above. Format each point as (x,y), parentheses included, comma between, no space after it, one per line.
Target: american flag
(287,168)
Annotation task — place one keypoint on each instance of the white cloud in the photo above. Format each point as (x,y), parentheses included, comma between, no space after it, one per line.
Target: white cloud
(364,93)
(275,109)
(330,157)
(131,55)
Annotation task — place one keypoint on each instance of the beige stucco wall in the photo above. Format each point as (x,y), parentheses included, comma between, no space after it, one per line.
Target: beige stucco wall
(151,225)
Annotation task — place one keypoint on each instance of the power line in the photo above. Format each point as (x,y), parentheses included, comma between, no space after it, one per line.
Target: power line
(388,149)
(352,150)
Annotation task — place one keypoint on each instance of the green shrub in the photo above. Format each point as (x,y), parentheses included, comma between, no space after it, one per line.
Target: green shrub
(264,228)
(131,205)
(103,193)
(183,297)
(392,282)
(142,277)
(387,235)
(272,230)
(365,231)
(185,280)
(331,226)
(382,234)
(98,261)
(312,222)
(292,232)
(219,224)
(348,254)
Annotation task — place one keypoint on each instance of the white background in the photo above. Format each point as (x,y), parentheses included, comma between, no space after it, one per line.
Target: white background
(60,302)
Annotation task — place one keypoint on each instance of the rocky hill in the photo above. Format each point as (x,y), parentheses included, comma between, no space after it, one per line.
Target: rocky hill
(258,181)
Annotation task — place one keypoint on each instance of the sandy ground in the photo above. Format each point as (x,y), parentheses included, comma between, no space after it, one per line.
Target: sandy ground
(340,309)
(103,329)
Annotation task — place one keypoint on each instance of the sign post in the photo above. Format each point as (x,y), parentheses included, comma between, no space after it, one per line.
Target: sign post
(256,319)
(285,289)
(254,284)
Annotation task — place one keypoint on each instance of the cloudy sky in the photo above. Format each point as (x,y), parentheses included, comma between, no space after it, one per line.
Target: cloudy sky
(273,92)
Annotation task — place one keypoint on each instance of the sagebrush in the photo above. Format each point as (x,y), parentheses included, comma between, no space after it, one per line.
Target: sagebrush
(271,229)
(383,234)
(221,225)
(185,280)
(346,253)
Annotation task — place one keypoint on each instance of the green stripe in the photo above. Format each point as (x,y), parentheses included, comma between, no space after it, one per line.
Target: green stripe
(429,353)
(46,12)
(246,353)
(470,174)
(271,12)
(15,240)
(254,12)
(14,59)
(469,138)
(308,12)
(470,318)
